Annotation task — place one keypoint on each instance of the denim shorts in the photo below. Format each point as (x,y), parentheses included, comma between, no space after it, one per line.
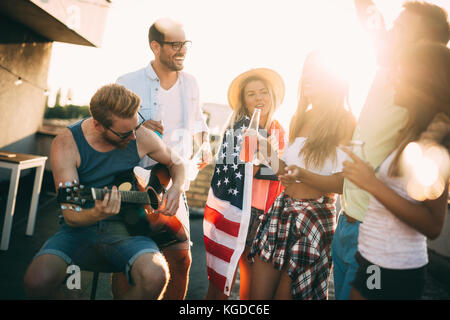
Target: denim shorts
(104,242)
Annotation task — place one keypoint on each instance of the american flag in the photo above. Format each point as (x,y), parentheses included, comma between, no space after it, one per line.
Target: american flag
(227,210)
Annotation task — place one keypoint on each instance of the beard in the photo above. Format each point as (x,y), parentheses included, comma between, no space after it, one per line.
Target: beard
(170,63)
(119,144)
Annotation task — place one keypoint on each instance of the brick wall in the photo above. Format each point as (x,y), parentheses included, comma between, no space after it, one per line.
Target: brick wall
(198,190)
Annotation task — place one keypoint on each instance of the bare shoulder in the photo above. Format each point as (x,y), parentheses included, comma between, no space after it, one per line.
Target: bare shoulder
(64,158)
(150,144)
(64,141)
(147,141)
(64,147)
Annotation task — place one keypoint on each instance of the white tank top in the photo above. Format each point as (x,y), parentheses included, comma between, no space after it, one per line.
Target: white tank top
(330,167)
(384,239)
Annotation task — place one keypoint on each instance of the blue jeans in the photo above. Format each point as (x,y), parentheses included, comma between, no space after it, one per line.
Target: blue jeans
(343,250)
(105,240)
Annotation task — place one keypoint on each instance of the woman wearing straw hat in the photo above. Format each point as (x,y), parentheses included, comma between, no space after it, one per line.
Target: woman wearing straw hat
(292,248)
(260,88)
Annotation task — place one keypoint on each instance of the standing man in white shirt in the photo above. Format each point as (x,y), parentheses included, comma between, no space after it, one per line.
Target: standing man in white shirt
(171,106)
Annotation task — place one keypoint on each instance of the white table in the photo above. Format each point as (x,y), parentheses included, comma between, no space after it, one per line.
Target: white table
(17,162)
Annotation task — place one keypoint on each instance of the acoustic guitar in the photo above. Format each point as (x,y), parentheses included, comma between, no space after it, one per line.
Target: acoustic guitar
(141,194)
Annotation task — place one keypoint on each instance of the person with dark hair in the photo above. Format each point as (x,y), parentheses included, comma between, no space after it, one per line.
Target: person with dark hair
(171,108)
(381,120)
(93,152)
(434,19)
(398,220)
(154,34)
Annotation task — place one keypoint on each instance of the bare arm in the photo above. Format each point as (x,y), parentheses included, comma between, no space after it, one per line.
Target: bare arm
(427,217)
(327,184)
(369,16)
(150,144)
(63,157)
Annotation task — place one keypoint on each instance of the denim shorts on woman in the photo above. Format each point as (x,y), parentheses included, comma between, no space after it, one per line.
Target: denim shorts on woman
(393,284)
(104,241)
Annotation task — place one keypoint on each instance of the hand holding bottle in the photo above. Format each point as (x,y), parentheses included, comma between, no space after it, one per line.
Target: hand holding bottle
(250,141)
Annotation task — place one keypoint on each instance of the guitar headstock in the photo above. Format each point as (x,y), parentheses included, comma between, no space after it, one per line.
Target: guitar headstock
(73,193)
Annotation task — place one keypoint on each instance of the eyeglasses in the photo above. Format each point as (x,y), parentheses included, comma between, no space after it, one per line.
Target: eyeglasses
(125,135)
(177,45)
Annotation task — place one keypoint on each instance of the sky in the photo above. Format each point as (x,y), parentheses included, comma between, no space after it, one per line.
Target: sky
(229,37)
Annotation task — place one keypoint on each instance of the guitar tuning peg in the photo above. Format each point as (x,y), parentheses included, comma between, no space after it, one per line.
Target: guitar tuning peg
(72,207)
(75,181)
(68,184)
(77,209)
(68,198)
(63,207)
(75,188)
(76,198)
(60,185)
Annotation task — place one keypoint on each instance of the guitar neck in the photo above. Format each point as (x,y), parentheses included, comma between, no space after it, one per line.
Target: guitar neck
(126,196)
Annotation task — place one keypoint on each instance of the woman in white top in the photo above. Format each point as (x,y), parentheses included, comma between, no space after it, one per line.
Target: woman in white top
(392,248)
(291,251)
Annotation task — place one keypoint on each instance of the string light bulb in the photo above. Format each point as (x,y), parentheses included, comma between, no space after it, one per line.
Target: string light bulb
(20,80)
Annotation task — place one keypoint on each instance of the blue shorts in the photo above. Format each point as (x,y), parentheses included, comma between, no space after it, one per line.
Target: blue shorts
(105,241)
(343,250)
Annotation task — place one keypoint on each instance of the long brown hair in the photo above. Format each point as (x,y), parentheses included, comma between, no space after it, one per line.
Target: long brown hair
(332,121)
(425,81)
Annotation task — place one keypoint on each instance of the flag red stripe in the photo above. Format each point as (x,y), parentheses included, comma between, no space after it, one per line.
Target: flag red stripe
(220,222)
(218,250)
(217,279)
(275,188)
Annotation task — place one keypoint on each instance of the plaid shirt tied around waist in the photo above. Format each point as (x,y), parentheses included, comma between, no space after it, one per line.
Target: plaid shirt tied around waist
(296,235)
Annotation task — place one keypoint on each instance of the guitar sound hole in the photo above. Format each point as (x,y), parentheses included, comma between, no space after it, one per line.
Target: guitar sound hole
(154,201)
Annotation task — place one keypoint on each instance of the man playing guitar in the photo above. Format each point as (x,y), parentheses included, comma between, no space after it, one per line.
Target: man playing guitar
(91,152)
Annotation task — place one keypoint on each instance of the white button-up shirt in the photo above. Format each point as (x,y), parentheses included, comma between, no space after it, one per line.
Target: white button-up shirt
(145,83)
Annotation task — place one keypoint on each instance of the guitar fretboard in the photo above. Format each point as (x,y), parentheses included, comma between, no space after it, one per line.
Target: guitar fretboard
(126,196)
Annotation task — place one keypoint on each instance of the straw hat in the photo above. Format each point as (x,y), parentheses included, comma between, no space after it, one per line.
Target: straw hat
(272,78)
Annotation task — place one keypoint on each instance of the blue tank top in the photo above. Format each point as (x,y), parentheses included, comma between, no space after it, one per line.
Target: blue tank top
(99,169)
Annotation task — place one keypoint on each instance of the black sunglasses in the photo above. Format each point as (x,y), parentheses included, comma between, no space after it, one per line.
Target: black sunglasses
(125,135)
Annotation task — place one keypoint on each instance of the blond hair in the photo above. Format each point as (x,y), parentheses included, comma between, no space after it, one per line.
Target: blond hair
(331,122)
(113,99)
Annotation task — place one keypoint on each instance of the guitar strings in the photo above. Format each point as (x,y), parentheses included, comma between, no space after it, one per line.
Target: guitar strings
(104,192)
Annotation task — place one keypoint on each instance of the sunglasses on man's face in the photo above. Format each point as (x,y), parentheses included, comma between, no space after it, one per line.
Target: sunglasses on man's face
(125,135)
